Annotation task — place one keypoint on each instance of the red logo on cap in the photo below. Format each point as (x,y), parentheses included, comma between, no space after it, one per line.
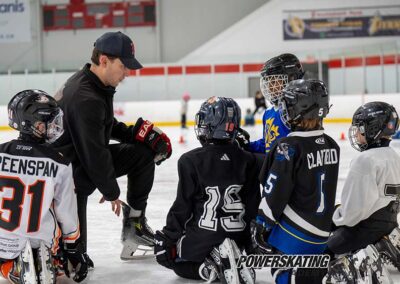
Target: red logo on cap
(133,48)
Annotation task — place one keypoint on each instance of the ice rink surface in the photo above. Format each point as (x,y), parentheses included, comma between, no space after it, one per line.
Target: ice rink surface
(104,227)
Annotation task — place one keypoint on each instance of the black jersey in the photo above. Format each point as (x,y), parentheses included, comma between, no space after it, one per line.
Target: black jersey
(218,195)
(299,178)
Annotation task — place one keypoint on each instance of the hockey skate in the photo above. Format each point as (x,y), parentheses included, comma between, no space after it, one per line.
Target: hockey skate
(209,269)
(389,253)
(341,270)
(26,266)
(365,267)
(137,237)
(46,268)
(227,255)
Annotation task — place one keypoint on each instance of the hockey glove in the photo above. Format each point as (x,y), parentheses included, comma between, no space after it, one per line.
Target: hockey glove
(164,249)
(79,260)
(243,139)
(158,141)
(259,236)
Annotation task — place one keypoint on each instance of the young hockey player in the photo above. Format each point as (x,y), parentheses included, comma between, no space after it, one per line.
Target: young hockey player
(218,194)
(275,75)
(36,193)
(369,202)
(299,177)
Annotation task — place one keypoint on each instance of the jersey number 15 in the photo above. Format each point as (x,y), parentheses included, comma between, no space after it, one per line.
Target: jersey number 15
(232,204)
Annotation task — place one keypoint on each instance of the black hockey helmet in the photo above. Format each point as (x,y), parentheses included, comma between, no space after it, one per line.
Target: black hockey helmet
(304,99)
(277,73)
(370,123)
(217,119)
(35,113)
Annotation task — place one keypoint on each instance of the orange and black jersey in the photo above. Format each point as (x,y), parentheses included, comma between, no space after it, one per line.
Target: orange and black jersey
(36,194)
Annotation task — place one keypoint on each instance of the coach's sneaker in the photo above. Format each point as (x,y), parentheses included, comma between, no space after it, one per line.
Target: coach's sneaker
(45,265)
(389,253)
(26,265)
(230,274)
(137,237)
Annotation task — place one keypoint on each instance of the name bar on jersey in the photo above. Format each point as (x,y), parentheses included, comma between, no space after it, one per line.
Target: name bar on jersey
(28,167)
(283,261)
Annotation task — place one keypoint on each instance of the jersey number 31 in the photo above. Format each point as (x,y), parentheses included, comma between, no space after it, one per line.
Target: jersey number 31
(14,204)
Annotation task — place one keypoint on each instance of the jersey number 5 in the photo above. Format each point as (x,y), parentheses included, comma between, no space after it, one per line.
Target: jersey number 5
(232,204)
(14,204)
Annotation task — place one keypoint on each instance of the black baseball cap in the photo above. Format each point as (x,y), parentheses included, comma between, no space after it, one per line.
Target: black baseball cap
(119,45)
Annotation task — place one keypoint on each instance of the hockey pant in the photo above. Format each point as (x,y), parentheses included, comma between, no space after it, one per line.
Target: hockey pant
(137,162)
(187,269)
(350,239)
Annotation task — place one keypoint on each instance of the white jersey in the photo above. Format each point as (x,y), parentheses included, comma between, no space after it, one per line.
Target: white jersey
(36,195)
(372,183)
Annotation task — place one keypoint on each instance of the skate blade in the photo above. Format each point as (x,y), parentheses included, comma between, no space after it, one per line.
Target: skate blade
(132,251)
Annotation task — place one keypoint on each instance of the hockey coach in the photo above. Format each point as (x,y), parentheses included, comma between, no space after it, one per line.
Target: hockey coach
(87,101)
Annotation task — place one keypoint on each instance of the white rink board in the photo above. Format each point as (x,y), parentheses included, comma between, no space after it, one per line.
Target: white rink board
(343,106)
(104,227)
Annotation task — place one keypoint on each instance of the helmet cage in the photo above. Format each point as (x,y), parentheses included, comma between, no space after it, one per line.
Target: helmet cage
(272,86)
(54,127)
(373,125)
(355,131)
(35,113)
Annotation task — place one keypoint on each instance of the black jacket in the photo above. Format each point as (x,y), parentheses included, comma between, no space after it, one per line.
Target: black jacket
(89,124)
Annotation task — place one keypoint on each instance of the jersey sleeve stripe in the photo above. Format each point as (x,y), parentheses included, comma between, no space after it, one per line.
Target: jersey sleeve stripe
(72,237)
(294,217)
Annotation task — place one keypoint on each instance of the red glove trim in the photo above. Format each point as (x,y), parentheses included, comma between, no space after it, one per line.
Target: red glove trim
(144,130)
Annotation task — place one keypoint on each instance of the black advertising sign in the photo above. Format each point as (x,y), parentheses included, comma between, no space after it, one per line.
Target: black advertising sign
(341,23)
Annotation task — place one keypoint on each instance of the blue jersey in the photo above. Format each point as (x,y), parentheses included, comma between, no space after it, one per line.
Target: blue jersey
(273,128)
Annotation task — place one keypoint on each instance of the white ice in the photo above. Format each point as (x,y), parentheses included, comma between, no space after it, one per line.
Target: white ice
(104,227)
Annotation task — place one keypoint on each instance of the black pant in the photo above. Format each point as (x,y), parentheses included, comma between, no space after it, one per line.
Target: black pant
(187,269)
(137,162)
(349,239)
(183,120)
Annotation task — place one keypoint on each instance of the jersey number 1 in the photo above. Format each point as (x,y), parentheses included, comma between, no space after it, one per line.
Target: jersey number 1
(321,206)
(14,204)
(232,204)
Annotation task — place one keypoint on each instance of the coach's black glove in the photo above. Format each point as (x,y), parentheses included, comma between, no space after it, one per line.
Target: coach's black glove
(75,254)
(164,249)
(147,133)
(259,236)
(242,139)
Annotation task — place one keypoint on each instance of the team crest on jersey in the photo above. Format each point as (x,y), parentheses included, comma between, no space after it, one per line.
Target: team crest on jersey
(320,140)
(284,152)
(271,132)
